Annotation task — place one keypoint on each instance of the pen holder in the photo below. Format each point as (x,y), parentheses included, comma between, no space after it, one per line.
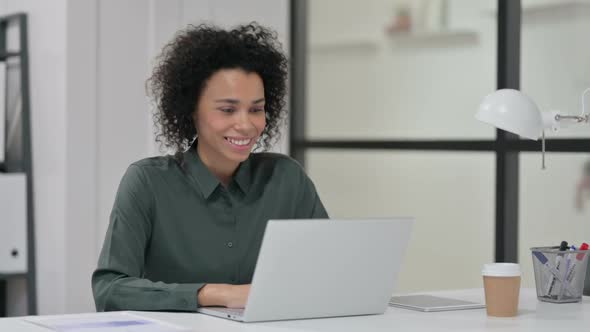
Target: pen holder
(559,275)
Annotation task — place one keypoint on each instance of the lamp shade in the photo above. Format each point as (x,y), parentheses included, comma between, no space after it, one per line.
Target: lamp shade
(513,111)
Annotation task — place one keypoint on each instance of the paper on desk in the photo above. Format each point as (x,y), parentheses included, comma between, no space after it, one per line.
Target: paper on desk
(109,322)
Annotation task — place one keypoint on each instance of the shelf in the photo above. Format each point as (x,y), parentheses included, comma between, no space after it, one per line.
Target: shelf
(438,37)
(344,45)
(6,55)
(554,9)
(418,37)
(6,276)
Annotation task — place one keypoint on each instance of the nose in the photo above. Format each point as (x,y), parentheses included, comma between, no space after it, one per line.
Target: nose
(243,122)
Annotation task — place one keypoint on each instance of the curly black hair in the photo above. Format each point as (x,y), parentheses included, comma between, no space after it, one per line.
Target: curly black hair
(193,56)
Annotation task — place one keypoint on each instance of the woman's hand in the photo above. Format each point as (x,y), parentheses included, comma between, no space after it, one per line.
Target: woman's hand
(231,296)
(236,296)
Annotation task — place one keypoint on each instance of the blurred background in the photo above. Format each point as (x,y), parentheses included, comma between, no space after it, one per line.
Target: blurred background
(383,96)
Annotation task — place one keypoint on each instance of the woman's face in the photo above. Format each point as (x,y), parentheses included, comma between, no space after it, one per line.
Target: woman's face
(230,116)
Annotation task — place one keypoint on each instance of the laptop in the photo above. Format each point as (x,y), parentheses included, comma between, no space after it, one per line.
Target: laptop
(323,268)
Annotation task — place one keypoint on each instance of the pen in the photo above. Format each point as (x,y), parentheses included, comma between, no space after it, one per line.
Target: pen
(558,259)
(550,268)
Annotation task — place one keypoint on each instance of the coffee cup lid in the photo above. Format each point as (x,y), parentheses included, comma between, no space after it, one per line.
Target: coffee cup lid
(501,270)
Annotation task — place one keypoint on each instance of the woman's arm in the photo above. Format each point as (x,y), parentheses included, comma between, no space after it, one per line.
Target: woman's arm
(118,291)
(118,283)
(310,205)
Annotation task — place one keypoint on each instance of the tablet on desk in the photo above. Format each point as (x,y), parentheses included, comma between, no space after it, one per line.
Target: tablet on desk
(432,303)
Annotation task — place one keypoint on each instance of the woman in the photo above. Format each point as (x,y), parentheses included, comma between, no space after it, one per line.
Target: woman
(185,230)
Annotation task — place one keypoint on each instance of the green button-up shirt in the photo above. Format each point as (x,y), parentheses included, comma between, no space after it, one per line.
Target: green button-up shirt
(174,227)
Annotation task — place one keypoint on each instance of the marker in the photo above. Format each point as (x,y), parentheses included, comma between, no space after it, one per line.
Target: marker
(584,246)
(568,265)
(550,268)
(579,257)
(558,259)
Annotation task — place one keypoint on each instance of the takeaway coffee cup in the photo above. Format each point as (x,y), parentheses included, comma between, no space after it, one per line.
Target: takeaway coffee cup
(501,283)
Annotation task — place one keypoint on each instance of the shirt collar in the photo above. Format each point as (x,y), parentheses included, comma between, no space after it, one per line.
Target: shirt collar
(206,180)
(243,175)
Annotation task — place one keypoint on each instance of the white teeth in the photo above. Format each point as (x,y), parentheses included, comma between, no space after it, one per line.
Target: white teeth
(239,142)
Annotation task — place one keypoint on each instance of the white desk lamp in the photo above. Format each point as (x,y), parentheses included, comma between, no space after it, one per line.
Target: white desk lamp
(513,111)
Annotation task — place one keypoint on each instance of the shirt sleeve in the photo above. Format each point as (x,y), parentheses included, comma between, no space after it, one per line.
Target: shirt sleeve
(310,206)
(118,282)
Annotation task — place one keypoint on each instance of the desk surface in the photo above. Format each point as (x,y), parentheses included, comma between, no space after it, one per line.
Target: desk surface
(533,316)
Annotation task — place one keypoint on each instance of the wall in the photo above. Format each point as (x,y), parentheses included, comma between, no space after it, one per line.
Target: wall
(91,119)
(82,102)
(423,85)
(47,47)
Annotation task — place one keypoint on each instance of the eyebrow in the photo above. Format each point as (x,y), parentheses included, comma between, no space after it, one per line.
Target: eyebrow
(235,101)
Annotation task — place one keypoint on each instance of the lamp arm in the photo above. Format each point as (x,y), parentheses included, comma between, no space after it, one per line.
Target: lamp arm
(551,119)
(582,118)
(583,103)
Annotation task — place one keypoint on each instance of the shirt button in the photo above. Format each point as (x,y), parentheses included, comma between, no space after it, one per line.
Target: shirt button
(230,244)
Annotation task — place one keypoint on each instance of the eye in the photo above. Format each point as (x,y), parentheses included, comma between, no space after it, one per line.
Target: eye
(227,110)
(257,110)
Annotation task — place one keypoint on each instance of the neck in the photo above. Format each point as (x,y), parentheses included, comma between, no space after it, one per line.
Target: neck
(221,169)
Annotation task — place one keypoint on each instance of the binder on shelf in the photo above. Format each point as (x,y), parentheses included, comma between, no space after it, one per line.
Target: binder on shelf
(2,112)
(13,223)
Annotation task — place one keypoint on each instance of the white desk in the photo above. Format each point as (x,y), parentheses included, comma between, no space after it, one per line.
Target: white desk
(533,316)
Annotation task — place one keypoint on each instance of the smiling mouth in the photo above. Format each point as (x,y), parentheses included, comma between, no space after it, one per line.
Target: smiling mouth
(239,142)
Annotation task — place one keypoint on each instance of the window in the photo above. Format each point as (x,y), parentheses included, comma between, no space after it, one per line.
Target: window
(385,93)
